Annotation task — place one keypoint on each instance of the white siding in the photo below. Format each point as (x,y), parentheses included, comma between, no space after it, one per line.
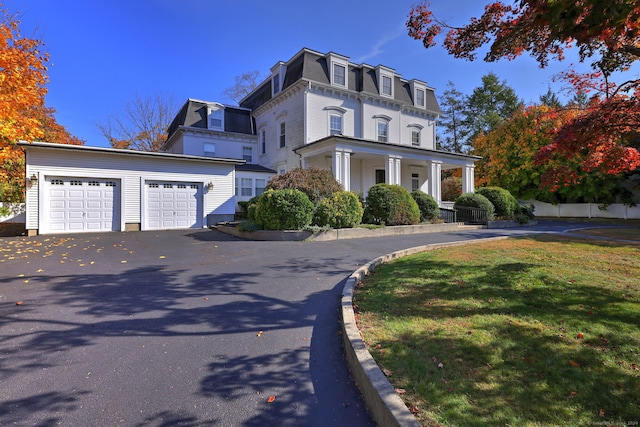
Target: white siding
(229,147)
(132,170)
(318,116)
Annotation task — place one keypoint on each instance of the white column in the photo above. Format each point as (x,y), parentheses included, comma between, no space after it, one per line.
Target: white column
(468,179)
(434,171)
(389,169)
(398,170)
(336,165)
(346,170)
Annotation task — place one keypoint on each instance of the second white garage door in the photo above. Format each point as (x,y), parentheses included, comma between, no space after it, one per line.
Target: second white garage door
(172,205)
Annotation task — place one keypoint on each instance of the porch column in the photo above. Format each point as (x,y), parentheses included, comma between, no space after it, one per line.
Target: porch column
(304,163)
(434,178)
(393,170)
(468,179)
(341,165)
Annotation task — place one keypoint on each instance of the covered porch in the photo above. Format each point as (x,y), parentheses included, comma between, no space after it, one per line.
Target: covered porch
(359,164)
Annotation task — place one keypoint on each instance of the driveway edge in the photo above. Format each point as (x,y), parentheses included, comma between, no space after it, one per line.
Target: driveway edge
(384,403)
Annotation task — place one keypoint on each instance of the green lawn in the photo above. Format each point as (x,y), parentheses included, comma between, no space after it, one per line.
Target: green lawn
(523,332)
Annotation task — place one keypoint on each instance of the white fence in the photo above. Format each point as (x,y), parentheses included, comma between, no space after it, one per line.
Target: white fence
(585,210)
(17,213)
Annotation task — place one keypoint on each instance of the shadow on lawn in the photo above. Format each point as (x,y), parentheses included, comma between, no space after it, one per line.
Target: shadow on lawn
(523,354)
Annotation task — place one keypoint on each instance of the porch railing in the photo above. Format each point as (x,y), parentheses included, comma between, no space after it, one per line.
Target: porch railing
(448,215)
(472,215)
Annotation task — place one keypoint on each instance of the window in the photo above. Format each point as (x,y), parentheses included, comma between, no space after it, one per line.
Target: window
(75,182)
(335,124)
(415,137)
(215,118)
(386,86)
(236,186)
(383,131)
(339,73)
(420,97)
(415,181)
(247,154)
(246,187)
(381,176)
(259,185)
(263,140)
(209,149)
(283,132)
(276,83)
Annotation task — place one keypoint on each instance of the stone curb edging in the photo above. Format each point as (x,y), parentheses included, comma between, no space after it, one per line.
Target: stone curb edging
(384,403)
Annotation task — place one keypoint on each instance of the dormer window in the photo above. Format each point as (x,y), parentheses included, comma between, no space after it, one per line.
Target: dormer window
(337,66)
(216,118)
(278,72)
(419,91)
(385,80)
(276,84)
(339,73)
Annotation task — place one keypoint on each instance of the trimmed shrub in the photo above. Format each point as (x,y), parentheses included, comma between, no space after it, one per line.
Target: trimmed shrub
(525,209)
(505,205)
(391,205)
(476,200)
(429,209)
(341,210)
(283,210)
(251,208)
(316,183)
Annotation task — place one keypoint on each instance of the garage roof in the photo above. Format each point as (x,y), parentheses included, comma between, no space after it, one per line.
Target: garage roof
(85,148)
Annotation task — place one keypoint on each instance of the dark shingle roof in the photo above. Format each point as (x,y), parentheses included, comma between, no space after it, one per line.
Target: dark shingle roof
(312,66)
(194,114)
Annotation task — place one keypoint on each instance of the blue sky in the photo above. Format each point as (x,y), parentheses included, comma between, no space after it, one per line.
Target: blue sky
(105,52)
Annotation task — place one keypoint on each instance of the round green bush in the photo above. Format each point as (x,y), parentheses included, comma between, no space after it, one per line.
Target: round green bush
(476,200)
(341,210)
(429,209)
(283,210)
(391,205)
(316,183)
(505,205)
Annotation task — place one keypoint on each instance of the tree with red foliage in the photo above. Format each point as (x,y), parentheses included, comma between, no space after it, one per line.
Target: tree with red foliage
(606,32)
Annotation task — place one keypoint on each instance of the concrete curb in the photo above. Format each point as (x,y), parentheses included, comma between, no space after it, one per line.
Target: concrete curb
(384,404)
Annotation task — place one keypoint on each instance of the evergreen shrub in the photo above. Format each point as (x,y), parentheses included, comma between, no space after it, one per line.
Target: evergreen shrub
(285,209)
(506,206)
(341,210)
(476,200)
(391,205)
(429,209)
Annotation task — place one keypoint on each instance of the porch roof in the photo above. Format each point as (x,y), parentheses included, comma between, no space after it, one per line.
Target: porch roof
(370,147)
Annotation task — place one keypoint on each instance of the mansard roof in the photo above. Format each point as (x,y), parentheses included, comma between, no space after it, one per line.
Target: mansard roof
(312,66)
(194,114)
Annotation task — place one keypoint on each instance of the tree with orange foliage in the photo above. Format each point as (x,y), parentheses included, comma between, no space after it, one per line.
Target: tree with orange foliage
(23,114)
(607,32)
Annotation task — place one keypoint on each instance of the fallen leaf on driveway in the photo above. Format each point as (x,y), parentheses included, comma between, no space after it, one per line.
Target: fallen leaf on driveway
(259,334)
(271,399)
(19,303)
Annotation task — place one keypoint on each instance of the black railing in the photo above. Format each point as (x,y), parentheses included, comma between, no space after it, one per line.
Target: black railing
(448,215)
(472,215)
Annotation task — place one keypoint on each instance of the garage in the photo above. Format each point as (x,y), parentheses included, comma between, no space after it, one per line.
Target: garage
(74,205)
(171,205)
(75,189)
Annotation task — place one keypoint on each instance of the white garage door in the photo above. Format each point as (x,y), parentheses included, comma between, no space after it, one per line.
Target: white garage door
(81,205)
(173,205)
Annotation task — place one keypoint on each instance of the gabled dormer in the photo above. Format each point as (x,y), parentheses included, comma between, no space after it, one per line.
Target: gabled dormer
(418,93)
(386,77)
(338,65)
(278,72)
(215,116)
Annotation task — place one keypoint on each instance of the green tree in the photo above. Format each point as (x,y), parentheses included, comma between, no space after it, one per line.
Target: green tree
(453,133)
(550,99)
(489,105)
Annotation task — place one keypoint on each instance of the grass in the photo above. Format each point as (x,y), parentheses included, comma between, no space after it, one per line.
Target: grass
(529,332)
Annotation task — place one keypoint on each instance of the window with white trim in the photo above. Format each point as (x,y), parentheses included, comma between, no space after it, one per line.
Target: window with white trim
(276,83)
(282,136)
(246,187)
(260,184)
(387,88)
(415,137)
(381,176)
(339,74)
(420,97)
(383,130)
(247,154)
(216,118)
(415,181)
(335,124)
(209,149)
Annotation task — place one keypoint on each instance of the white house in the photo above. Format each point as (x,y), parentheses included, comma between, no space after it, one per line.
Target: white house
(74,188)
(366,124)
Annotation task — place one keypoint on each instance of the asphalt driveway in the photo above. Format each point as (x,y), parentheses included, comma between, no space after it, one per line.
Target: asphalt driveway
(190,328)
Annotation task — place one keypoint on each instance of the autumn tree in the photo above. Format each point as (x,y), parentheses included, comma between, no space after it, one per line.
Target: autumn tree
(607,33)
(453,133)
(23,113)
(142,125)
(244,84)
